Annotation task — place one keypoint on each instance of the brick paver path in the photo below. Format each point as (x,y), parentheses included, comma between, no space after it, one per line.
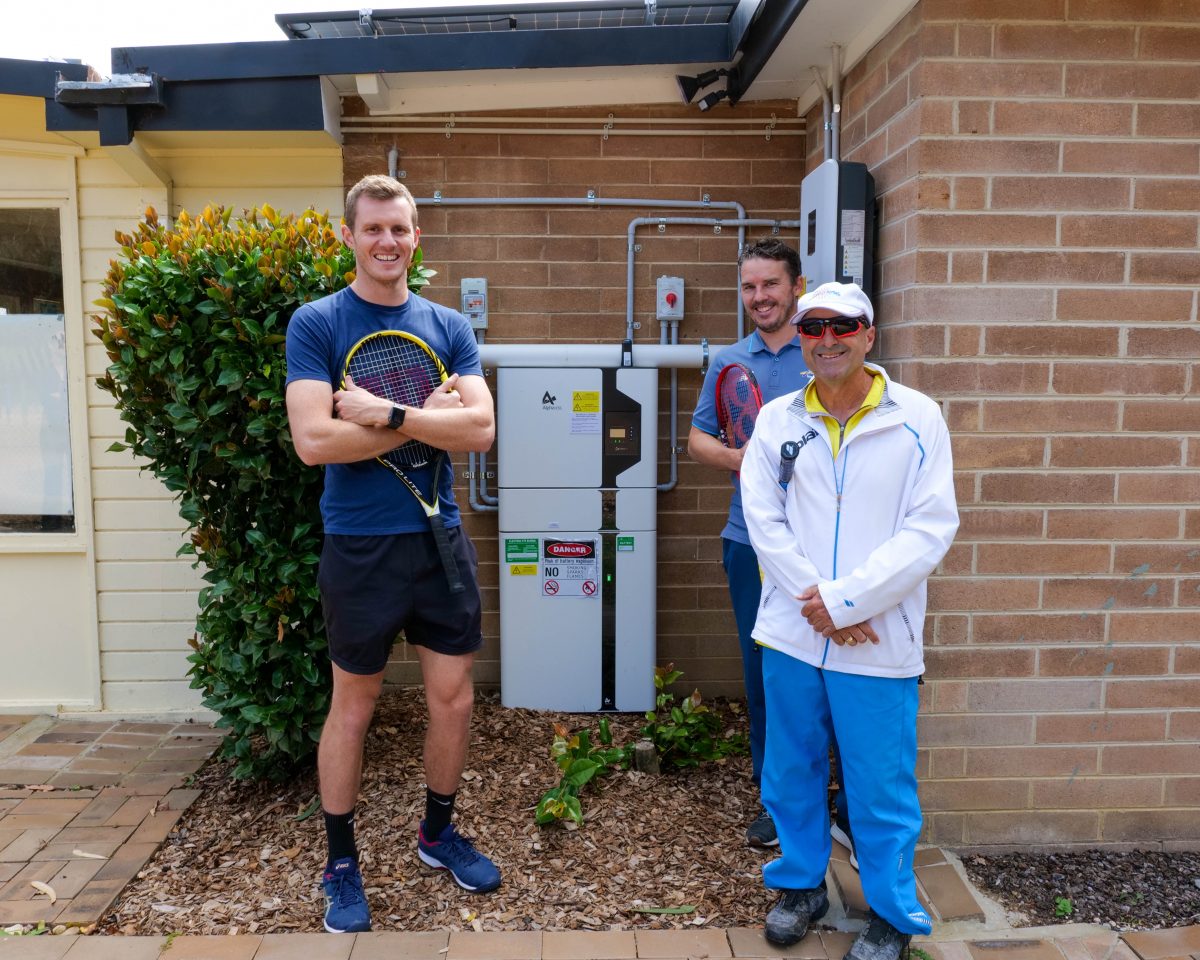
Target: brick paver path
(84,805)
(1094,943)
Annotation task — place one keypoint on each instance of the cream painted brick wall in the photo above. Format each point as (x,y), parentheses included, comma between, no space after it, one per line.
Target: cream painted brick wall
(146,595)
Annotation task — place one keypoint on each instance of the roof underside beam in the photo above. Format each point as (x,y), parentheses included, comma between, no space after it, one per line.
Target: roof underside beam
(527,49)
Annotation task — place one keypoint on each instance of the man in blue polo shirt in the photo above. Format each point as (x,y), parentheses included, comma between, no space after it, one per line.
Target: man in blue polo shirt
(770,285)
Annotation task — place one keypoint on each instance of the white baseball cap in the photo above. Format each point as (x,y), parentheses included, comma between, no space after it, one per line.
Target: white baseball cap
(847,299)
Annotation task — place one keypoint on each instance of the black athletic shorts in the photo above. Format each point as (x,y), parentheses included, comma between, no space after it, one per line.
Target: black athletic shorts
(372,588)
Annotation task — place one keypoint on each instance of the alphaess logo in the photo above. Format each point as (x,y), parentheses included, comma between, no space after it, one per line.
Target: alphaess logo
(550,401)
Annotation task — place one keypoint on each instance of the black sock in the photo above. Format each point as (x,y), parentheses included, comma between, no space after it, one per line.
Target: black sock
(439,808)
(339,831)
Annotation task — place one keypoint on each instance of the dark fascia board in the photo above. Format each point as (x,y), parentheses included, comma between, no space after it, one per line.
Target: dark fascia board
(516,49)
(36,78)
(765,33)
(293,103)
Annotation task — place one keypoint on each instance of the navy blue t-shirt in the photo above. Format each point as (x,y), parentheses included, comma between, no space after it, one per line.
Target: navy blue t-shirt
(366,498)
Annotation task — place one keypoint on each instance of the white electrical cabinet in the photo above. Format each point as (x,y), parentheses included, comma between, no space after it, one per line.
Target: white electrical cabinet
(577,477)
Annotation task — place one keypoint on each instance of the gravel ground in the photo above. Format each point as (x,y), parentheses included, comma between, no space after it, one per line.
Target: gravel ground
(1127,891)
(246,857)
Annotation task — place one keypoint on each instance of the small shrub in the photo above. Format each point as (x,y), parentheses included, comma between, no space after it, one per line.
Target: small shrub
(194,324)
(579,762)
(688,733)
(684,736)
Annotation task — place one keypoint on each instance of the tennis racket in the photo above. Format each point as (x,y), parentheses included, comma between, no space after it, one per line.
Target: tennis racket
(738,403)
(403,369)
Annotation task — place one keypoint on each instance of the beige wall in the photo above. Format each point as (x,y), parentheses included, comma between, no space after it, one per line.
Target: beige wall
(146,596)
(47,587)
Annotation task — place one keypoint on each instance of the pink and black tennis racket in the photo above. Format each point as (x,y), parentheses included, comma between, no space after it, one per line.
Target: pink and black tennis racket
(738,403)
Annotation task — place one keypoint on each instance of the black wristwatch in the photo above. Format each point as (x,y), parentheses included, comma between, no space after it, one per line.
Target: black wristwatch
(396,417)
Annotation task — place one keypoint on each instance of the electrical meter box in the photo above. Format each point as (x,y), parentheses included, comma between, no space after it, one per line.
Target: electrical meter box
(837,225)
(473,303)
(577,477)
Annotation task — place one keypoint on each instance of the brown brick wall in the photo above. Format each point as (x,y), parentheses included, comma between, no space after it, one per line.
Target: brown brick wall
(558,275)
(1038,169)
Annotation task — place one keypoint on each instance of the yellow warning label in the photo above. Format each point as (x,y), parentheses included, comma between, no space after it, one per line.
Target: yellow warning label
(585,401)
(523,569)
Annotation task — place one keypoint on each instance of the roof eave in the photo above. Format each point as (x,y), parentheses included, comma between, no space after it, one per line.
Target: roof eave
(590,47)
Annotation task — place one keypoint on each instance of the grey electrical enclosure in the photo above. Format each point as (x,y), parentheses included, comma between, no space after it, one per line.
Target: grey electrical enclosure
(837,225)
(577,476)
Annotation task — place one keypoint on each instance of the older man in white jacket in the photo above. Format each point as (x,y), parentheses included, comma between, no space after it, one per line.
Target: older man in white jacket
(848,492)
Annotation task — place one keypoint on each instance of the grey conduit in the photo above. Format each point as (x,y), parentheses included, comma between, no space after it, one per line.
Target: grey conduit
(741,223)
(480,499)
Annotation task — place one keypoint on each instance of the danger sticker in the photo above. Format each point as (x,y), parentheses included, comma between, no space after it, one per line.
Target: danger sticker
(570,568)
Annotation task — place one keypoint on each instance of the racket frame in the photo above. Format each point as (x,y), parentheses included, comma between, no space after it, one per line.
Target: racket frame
(432,508)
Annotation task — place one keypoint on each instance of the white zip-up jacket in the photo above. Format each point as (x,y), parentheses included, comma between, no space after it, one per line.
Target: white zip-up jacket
(867,528)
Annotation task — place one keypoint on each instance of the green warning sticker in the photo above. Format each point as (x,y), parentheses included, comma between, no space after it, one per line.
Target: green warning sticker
(625,544)
(520,551)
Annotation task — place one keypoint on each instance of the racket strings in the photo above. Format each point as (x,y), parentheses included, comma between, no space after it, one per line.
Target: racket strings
(740,407)
(400,371)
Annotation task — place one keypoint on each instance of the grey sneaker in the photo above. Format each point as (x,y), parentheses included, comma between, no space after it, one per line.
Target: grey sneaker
(761,833)
(788,921)
(841,833)
(880,941)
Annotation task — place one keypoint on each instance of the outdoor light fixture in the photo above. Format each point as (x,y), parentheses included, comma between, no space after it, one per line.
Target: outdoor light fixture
(690,86)
(712,99)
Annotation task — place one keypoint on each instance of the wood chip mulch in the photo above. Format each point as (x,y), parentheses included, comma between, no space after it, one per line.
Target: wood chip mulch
(240,858)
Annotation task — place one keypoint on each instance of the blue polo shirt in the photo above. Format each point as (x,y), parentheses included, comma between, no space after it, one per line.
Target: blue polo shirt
(777,374)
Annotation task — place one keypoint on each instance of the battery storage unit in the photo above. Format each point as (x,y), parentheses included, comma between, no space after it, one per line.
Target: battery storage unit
(837,232)
(577,476)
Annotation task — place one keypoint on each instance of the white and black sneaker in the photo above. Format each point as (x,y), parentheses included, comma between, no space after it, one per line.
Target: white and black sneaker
(761,833)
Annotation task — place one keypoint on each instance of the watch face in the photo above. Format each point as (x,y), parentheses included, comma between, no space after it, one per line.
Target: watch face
(396,418)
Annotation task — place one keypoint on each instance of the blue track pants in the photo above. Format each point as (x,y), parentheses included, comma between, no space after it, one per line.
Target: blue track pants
(875,721)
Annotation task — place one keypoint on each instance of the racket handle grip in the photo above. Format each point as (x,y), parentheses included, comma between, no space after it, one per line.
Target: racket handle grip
(441,537)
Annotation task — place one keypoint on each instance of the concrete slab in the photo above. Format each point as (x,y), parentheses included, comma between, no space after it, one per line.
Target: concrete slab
(426,945)
(683,943)
(516,945)
(588,945)
(750,942)
(1160,944)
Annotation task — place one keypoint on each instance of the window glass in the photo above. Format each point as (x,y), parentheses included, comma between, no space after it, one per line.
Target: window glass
(35,468)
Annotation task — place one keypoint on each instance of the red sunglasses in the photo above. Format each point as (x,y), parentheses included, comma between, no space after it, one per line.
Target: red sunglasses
(840,326)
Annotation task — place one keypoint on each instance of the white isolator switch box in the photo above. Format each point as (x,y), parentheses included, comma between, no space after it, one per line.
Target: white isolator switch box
(669,305)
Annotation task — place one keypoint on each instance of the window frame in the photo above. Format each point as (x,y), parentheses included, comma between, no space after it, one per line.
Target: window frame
(75,327)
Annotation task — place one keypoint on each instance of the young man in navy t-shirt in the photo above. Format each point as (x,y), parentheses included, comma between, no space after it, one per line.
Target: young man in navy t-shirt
(380,571)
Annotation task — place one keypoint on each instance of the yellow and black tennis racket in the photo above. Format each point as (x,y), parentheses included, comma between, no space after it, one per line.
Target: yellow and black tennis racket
(402,368)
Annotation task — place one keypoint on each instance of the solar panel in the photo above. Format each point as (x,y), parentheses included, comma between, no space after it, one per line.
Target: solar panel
(496,18)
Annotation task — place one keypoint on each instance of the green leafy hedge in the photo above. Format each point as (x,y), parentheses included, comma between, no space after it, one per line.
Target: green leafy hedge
(194,324)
